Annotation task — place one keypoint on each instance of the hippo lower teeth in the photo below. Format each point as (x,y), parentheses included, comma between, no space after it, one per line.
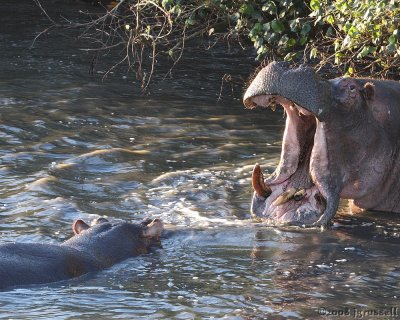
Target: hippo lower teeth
(284,197)
(299,195)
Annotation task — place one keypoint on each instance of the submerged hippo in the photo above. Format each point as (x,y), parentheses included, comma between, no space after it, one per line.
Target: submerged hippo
(341,140)
(92,248)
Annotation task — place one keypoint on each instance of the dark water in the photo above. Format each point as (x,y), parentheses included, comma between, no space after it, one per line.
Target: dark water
(73,146)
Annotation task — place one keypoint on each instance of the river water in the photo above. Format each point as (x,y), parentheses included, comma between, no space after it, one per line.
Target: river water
(74,146)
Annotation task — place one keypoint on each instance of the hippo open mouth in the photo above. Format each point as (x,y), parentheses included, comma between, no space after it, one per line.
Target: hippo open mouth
(290,195)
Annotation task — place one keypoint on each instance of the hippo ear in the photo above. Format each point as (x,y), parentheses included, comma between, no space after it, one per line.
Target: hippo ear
(79,225)
(368,91)
(98,221)
(153,229)
(146,221)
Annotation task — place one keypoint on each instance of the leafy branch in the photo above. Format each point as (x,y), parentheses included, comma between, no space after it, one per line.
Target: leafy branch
(356,36)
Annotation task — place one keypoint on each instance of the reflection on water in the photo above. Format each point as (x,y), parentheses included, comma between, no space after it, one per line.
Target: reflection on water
(72,146)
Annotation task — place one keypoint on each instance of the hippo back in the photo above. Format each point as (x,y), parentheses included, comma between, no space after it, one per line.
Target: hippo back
(35,263)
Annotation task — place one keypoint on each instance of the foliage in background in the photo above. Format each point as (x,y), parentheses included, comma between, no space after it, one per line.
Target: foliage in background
(356,36)
(360,36)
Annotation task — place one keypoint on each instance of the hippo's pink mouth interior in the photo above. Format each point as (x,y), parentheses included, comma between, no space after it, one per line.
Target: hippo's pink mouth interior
(289,195)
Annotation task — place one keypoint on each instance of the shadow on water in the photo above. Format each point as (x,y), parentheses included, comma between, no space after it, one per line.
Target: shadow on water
(75,147)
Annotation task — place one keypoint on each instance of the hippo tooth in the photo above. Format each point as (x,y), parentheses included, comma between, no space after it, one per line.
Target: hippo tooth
(272,103)
(299,194)
(258,183)
(284,197)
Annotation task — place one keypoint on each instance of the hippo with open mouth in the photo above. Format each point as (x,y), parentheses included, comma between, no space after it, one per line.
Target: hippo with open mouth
(341,140)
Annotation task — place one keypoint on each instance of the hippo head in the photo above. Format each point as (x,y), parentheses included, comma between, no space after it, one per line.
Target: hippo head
(321,115)
(110,242)
(148,228)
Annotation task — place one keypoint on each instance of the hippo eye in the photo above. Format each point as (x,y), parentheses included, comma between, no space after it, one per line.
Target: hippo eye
(352,87)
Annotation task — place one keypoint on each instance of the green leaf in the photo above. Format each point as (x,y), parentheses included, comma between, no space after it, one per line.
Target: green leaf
(290,56)
(330,19)
(315,4)
(303,41)
(391,48)
(367,14)
(246,9)
(350,71)
(392,39)
(277,26)
(293,25)
(190,22)
(330,32)
(270,8)
(364,52)
(166,4)
(258,43)
(261,51)
(337,44)
(313,53)
(291,42)
(305,30)
(283,40)
(255,30)
(347,26)
(267,26)
(338,57)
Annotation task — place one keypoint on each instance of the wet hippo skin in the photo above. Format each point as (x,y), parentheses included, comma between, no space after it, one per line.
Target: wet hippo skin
(341,140)
(92,248)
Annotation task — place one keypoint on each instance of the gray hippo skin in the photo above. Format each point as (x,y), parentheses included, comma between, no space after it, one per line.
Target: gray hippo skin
(341,140)
(92,248)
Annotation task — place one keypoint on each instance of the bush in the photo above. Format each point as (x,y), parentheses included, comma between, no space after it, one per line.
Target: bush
(356,36)
(360,35)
